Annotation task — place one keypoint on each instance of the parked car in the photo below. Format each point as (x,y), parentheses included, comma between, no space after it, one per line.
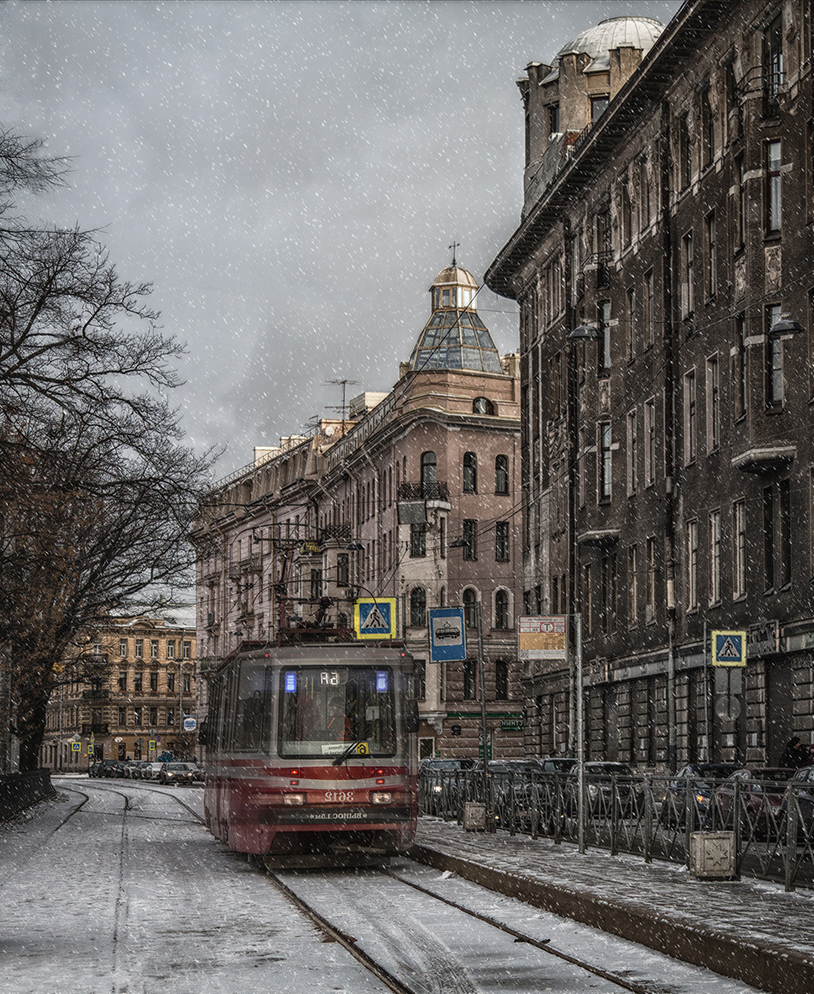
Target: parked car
(176,774)
(701,779)
(513,789)
(108,768)
(801,788)
(761,790)
(95,766)
(150,771)
(132,770)
(437,784)
(609,787)
(560,765)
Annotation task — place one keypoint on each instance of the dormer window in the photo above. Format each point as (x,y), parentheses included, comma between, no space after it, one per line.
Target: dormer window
(482,405)
(553,119)
(598,107)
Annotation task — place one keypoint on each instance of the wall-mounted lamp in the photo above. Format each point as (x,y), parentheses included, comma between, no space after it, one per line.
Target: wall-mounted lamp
(785,326)
(354,546)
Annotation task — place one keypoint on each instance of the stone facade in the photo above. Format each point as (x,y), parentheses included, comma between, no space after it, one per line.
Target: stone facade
(368,506)
(668,467)
(146,685)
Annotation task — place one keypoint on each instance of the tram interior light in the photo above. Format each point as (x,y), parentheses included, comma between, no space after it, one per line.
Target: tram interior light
(291,683)
(381,681)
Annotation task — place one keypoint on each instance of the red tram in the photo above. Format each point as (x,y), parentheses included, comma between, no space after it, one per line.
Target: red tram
(311,756)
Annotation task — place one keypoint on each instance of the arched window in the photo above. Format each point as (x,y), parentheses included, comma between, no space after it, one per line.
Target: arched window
(482,405)
(418,607)
(501,474)
(470,602)
(470,473)
(501,609)
(429,467)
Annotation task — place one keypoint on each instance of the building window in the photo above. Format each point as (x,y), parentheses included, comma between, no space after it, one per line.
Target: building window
(418,540)
(171,682)
(587,600)
(553,119)
(470,537)
(649,316)
(609,593)
(502,541)
(122,717)
(429,467)
(785,533)
(688,275)
(692,565)
(644,195)
(774,189)
(470,473)
(470,605)
(633,585)
(690,418)
(707,130)
(773,63)
(187,683)
(482,405)
(630,322)
(632,452)
(741,203)
(740,367)
(714,557)
(713,405)
(420,679)
(442,537)
(137,721)
(598,107)
(154,681)
(684,153)
(712,255)
(774,360)
(154,649)
(342,570)
(171,717)
(650,441)
(153,716)
(768,537)
(137,682)
(627,214)
(470,679)
(316,584)
(501,474)
(501,680)
(603,313)
(650,594)
(418,607)
(501,610)
(123,681)
(171,649)
(140,648)
(122,647)
(739,548)
(604,462)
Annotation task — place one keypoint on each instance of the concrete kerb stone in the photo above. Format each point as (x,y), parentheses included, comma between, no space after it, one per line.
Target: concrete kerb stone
(777,969)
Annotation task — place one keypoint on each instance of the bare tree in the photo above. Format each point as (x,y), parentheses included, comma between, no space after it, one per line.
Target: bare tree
(97,490)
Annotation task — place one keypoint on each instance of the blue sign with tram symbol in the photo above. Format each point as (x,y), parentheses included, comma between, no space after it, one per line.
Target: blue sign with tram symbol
(447,634)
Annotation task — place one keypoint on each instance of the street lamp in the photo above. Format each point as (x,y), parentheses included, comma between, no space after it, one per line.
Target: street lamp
(785,326)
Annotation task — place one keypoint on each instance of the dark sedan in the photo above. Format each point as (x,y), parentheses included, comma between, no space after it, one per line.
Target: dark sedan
(698,780)
(177,774)
(752,798)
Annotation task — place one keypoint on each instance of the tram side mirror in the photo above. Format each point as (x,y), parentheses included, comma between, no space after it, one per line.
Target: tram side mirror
(411,717)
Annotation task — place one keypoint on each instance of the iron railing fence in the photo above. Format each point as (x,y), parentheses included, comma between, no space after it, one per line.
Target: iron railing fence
(650,816)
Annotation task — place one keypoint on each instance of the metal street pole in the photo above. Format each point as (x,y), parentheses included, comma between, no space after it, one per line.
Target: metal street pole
(580,735)
(490,821)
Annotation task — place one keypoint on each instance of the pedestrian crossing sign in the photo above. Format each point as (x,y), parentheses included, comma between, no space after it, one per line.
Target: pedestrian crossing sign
(729,648)
(375,617)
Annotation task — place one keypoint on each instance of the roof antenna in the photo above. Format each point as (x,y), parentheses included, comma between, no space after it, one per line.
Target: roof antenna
(453,246)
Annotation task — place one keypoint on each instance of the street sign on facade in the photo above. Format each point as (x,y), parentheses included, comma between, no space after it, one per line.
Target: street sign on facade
(729,648)
(542,637)
(190,724)
(375,617)
(447,634)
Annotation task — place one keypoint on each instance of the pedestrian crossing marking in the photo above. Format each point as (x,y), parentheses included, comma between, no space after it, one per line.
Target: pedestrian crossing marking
(374,620)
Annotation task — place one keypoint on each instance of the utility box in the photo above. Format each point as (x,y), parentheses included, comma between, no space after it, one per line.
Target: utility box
(474,817)
(712,855)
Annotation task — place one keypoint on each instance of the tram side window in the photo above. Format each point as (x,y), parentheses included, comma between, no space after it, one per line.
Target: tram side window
(250,730)
(215,721)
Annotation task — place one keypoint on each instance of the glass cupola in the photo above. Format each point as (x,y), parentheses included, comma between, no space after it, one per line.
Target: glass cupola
(455,337)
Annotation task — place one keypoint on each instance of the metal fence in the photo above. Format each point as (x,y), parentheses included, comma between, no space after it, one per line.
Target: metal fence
(650,816)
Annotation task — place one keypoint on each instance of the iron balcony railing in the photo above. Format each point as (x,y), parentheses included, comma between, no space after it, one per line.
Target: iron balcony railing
(423,491)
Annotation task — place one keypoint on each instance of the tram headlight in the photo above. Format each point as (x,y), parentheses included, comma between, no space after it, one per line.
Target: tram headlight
(381,797)
(294,800)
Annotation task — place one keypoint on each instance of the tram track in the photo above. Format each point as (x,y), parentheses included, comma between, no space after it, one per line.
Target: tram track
(443,975)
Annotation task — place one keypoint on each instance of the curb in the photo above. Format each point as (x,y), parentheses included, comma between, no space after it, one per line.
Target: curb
(777,969)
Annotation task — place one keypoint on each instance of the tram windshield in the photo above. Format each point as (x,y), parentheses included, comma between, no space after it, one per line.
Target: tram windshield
(324,711)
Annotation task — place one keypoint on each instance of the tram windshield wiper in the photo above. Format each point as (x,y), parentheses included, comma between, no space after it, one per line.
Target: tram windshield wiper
(343,756)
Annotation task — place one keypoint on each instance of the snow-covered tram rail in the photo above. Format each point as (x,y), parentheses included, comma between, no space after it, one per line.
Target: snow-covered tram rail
(311,755)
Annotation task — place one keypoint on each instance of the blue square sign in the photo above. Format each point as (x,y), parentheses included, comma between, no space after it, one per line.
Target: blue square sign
(447,634)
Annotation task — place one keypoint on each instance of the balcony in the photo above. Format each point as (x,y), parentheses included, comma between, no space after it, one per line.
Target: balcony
(95,728)
(95,695)
(423,491)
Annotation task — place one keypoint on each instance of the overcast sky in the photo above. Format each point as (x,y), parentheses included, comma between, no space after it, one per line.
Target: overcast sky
(287,175)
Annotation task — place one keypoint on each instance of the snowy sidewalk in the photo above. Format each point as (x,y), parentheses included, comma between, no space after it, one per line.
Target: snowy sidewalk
(748,930)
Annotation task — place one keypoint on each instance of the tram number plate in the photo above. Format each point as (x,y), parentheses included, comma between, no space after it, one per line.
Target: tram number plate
(340,796)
